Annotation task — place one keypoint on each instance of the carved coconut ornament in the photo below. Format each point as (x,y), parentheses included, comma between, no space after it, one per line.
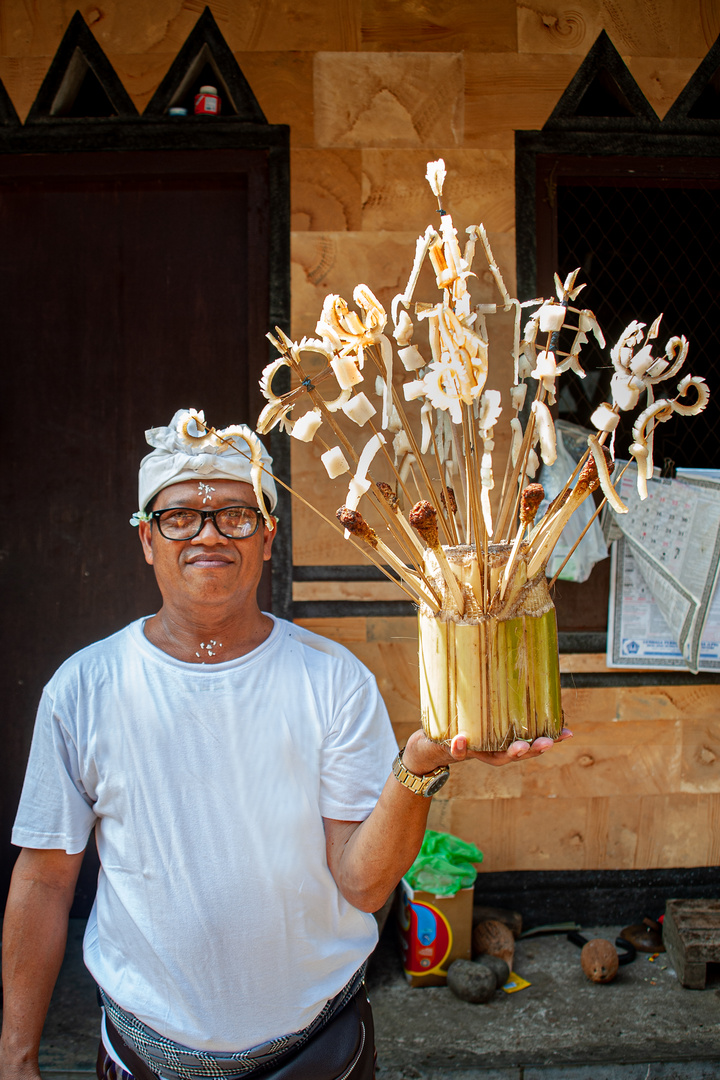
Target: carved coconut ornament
(599,960)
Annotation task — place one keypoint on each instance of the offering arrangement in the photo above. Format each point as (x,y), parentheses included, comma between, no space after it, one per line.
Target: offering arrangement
(401,410)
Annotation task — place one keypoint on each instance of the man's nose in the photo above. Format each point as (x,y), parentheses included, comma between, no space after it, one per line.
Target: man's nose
(209,534)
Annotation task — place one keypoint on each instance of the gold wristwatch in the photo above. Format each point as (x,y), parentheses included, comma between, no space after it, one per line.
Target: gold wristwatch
(427,785)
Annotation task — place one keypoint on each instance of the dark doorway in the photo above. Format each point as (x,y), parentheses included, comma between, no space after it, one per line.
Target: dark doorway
(133,284)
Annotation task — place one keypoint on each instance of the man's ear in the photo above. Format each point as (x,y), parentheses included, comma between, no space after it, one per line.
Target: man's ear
(268,537)
(145,534)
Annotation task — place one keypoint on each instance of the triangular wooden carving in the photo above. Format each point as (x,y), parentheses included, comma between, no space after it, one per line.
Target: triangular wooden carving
(8,115)
(603,96)
(81,82)
(206,58)
(697,107)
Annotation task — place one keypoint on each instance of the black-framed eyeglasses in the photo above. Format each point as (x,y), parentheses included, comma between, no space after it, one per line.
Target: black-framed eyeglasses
(184,523)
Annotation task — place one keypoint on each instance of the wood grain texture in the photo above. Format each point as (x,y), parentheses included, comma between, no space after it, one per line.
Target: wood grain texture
(325,262)
(661,80)
(33,29)
(315,543)
(658,28)
(134,26)
(395,666)
(141,74)
(575,662)
(607,760)
(429,25)
(475,780)
(479,188)
(282,82)
(22,77)
(388,99)
(523,834)
(709,21)
(678,830)
(344,631)
(700,765)
(326,190)
(505,92)
(590,834)
(396,629)
(668,702)
(555,28)
(347,590)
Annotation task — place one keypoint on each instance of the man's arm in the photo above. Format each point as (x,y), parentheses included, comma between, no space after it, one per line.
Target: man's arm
(368,858)
(34,937)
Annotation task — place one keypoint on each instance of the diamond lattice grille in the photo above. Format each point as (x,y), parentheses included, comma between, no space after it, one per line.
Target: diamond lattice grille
(646,250)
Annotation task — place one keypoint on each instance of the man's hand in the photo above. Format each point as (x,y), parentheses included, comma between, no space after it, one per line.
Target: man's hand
(34,935)
(421,755)
(24,1070)
(368,858)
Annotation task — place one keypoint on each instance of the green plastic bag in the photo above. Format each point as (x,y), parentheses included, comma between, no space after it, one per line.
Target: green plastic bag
(444,865)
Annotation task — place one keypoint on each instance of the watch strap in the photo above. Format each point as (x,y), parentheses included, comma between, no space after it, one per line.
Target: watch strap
(427,784)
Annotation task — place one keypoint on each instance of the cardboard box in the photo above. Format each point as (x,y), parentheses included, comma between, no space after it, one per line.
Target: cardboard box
(434,931)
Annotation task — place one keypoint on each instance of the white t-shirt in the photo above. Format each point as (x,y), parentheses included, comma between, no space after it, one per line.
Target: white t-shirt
(217,921)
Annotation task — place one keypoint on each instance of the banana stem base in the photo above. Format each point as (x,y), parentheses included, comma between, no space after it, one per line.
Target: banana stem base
(494,680)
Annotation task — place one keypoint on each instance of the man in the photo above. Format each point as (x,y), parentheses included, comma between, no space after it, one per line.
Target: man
(236,770)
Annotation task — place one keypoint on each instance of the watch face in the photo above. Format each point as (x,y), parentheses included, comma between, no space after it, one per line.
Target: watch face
(435,785)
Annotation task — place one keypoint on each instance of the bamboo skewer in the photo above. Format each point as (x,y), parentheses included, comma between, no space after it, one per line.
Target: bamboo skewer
(391,499)
(409,432)
(391,463)
(447,500)
(532,496)
(423,517)
(506,515)
(354,522)
(598,511)
(391,519)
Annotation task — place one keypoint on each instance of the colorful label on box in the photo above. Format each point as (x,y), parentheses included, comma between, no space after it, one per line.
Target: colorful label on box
(427,938)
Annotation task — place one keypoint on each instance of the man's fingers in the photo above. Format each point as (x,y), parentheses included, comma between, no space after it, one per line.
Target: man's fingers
(542,744)
(518,748)
(459,746)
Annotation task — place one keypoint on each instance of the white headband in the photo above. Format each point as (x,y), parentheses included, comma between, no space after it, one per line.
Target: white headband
(188,450)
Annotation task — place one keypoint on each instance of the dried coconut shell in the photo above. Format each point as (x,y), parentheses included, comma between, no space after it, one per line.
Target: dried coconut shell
(493,937)
(599,960)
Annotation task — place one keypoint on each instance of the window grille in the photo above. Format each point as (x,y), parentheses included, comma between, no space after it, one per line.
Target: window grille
(646,249)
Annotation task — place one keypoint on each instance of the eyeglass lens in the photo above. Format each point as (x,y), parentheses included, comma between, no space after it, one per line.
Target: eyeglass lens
(183,523)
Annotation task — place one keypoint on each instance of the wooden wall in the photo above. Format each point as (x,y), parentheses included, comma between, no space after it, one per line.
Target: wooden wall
(372,90)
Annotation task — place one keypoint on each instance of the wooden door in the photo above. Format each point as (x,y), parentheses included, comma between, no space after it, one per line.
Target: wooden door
(133,284)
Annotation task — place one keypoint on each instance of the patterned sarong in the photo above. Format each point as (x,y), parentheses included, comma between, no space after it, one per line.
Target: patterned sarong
(174,1061)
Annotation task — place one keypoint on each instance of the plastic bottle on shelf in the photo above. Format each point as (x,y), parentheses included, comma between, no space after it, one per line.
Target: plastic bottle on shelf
(207,102)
